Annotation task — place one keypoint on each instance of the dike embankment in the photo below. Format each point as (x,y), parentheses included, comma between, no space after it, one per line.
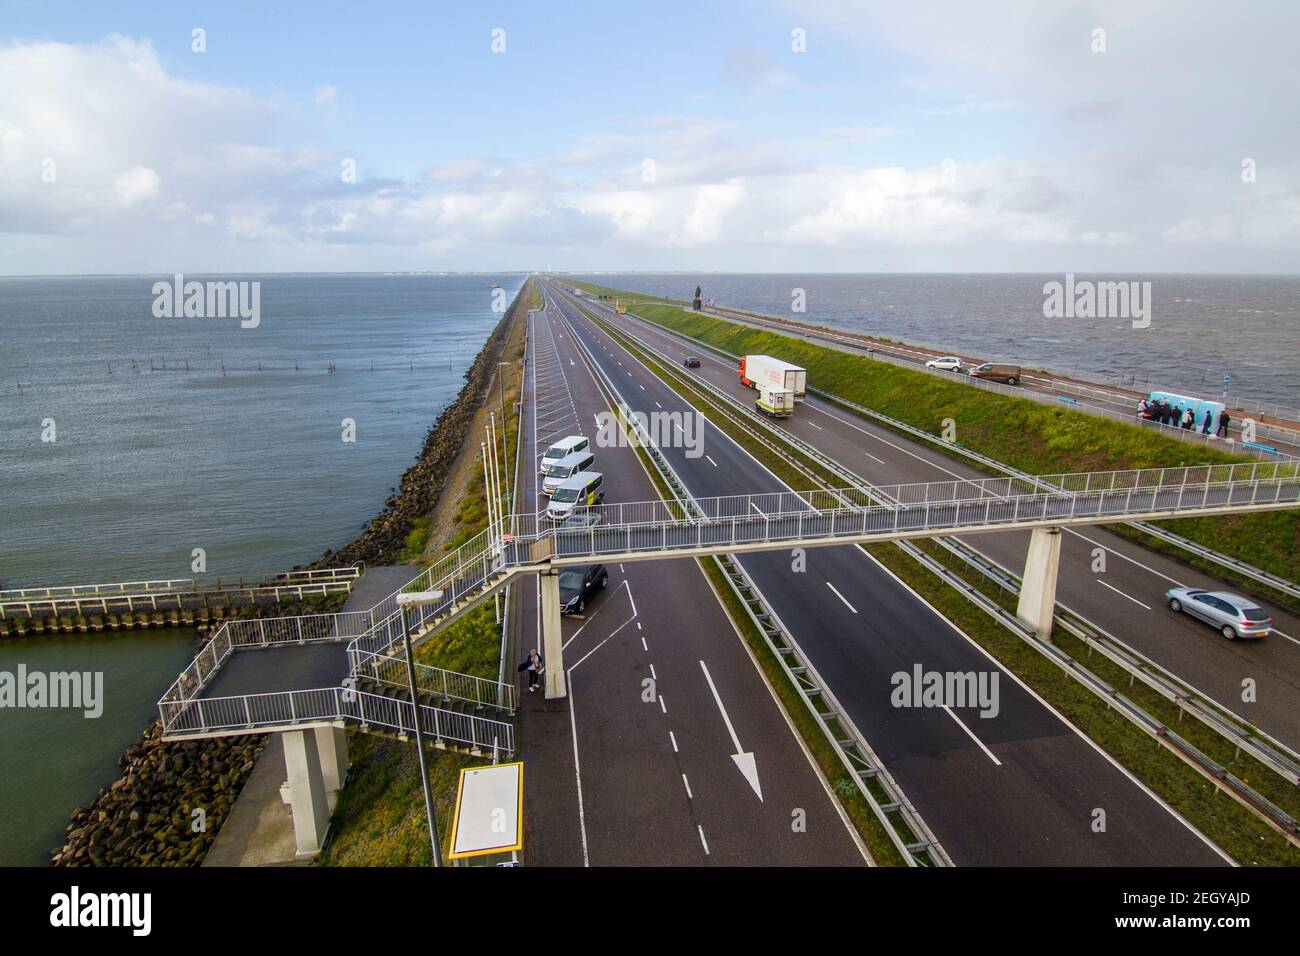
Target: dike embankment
(147,816)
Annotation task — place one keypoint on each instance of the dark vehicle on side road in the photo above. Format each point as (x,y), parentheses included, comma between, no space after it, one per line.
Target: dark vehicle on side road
(577,585)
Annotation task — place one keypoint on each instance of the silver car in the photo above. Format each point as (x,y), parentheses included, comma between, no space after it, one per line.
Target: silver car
(1233,615)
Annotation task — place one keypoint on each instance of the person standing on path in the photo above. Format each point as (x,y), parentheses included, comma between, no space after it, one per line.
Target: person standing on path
(1224,419)
(533,664)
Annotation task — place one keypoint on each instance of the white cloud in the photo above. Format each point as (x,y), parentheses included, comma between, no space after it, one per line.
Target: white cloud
(150,163)
(136,185)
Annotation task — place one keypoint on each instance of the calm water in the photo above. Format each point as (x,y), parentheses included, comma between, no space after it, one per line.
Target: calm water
(151,461)
(1201,326)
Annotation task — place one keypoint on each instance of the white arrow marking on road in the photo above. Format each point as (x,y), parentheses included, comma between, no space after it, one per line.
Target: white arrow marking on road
(744,761)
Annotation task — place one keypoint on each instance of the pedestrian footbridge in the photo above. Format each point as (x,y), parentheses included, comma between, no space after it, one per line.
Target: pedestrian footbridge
(319,675)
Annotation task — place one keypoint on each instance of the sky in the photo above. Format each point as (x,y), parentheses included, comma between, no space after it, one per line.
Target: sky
(762,136)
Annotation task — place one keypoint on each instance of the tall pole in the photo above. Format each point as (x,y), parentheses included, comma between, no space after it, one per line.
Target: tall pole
(487,483)
(501,389)
(497,481)
(434,843)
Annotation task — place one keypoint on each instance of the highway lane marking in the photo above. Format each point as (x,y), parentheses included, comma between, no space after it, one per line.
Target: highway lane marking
(588,620)
(657,405)
(674,740)
(703,841)
(836,592)
(743,759)
(873,457)
(577,773)
(645,645)
(653,675)
(1096,747)
(757,508)
(1119,554)
(970,733)
(1121,593)
(689,795)
(1287,636)
(662,705)
(816,426)
(711,461)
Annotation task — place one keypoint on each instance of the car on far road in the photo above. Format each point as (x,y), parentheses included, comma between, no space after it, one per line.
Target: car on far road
(691,361)
(582,521)
(948,363)
(996,372)
(577,585)
(1234,616)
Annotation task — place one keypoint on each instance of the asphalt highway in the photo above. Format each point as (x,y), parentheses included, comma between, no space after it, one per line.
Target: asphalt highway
(1021,787)
(636,766)
(1109,579)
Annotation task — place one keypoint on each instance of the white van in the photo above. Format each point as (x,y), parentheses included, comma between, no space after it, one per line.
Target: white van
(566,468)
(561,449)
(582,490)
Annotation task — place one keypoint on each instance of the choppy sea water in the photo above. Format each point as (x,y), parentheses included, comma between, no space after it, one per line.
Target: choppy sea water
(176,434)
(1201,326)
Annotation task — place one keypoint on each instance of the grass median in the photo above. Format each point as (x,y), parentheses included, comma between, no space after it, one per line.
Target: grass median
(1247,839)
(1019,432)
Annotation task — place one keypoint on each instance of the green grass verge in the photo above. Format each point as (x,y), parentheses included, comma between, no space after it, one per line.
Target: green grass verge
(859,811)
(380,819)
(1238,832)
(1241,834)
(1021,433)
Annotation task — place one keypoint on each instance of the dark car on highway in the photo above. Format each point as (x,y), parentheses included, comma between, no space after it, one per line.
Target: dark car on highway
(691,361)
(577,585)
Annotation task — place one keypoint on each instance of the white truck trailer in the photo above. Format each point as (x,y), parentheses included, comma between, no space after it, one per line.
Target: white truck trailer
(759,371)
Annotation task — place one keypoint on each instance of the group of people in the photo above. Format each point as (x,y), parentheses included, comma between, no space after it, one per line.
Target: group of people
(1158,410)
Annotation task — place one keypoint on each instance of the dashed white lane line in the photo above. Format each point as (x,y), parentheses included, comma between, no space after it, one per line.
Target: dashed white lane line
(687,783)
(816,426)
(657,405)
(644,644)
(653,675)
(673,738)
(1122,594)
(970,733)
(662,705)
(703,842)
(711,461)
(873,457)
(836,592)
(757,508)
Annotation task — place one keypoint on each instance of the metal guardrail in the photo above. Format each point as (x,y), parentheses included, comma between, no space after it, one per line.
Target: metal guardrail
(915,841)
(885,352)
(250,713)
(993,464)
(1268,751)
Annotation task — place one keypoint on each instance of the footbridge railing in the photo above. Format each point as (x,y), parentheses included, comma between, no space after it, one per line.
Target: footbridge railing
(524,543)
(250,713)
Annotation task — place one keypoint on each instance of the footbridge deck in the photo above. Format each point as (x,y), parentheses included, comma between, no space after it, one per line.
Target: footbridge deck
(312,669)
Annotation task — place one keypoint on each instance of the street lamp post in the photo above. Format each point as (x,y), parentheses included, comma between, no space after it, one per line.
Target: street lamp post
(417,599)
(501,389)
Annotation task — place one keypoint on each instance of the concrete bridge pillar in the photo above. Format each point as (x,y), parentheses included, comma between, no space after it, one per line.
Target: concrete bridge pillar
(552,638)
(307,793)
(332,744)
(1038,584)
